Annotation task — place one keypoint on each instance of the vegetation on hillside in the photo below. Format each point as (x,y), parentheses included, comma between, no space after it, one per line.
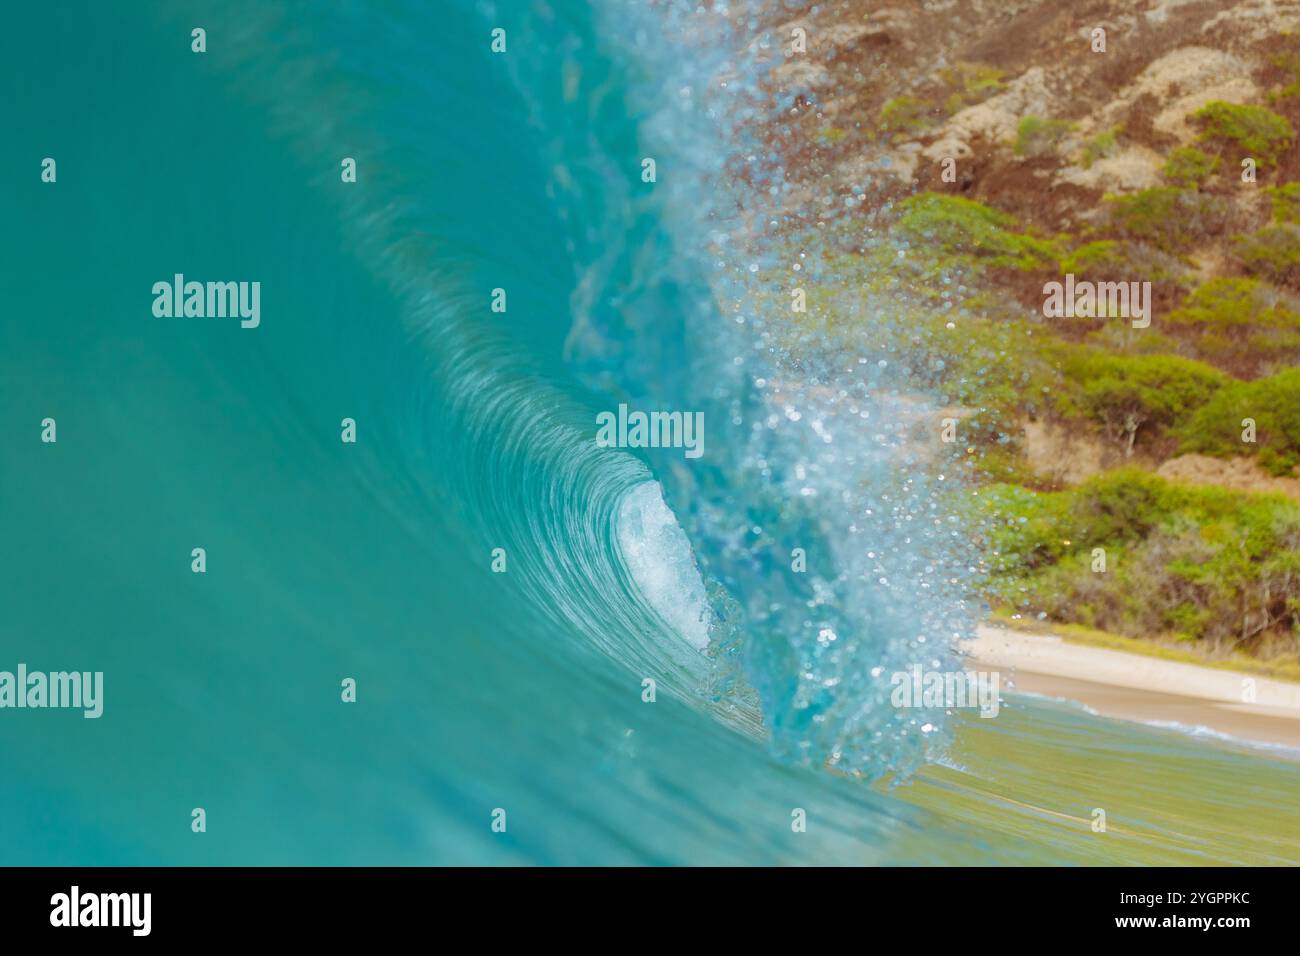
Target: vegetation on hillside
(1215,374)
(929,210)
(1194,564)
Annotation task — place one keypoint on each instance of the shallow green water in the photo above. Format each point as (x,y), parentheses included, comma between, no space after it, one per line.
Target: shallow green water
(1035,777)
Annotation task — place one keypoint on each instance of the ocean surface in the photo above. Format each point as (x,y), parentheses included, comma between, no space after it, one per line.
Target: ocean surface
(478,690)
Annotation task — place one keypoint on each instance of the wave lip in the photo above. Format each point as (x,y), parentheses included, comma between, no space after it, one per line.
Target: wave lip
(659,558)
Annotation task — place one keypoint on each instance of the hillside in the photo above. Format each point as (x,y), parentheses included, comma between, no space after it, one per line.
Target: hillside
(945,164)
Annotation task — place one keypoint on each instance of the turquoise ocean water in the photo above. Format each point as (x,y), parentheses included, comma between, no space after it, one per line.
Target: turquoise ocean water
(475,690)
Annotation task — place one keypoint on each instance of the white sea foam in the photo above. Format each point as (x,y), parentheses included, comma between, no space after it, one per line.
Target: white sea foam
(1201,730)
(659,557)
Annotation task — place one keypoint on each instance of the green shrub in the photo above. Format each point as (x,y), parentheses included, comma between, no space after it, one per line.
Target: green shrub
(1134,395)
(1230,304)
(1255,131)
(1101,258)
(1036,136)
(998,367)
(1274,252)
(979,80)
(1289,62)
(965,232)
(1286,202)
(1022,530)
(1120,507)
(904,114)
(1168,217)
(1240,324)
(1189,167)
(1122,260)
(1099,147)
(1205,564)
(1087,383)
(1272,403)
(974,83)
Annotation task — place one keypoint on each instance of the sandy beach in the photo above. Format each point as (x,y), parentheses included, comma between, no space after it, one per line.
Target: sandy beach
(1148,689)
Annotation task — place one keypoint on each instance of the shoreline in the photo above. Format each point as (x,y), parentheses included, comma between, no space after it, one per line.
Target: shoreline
(1135,687)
